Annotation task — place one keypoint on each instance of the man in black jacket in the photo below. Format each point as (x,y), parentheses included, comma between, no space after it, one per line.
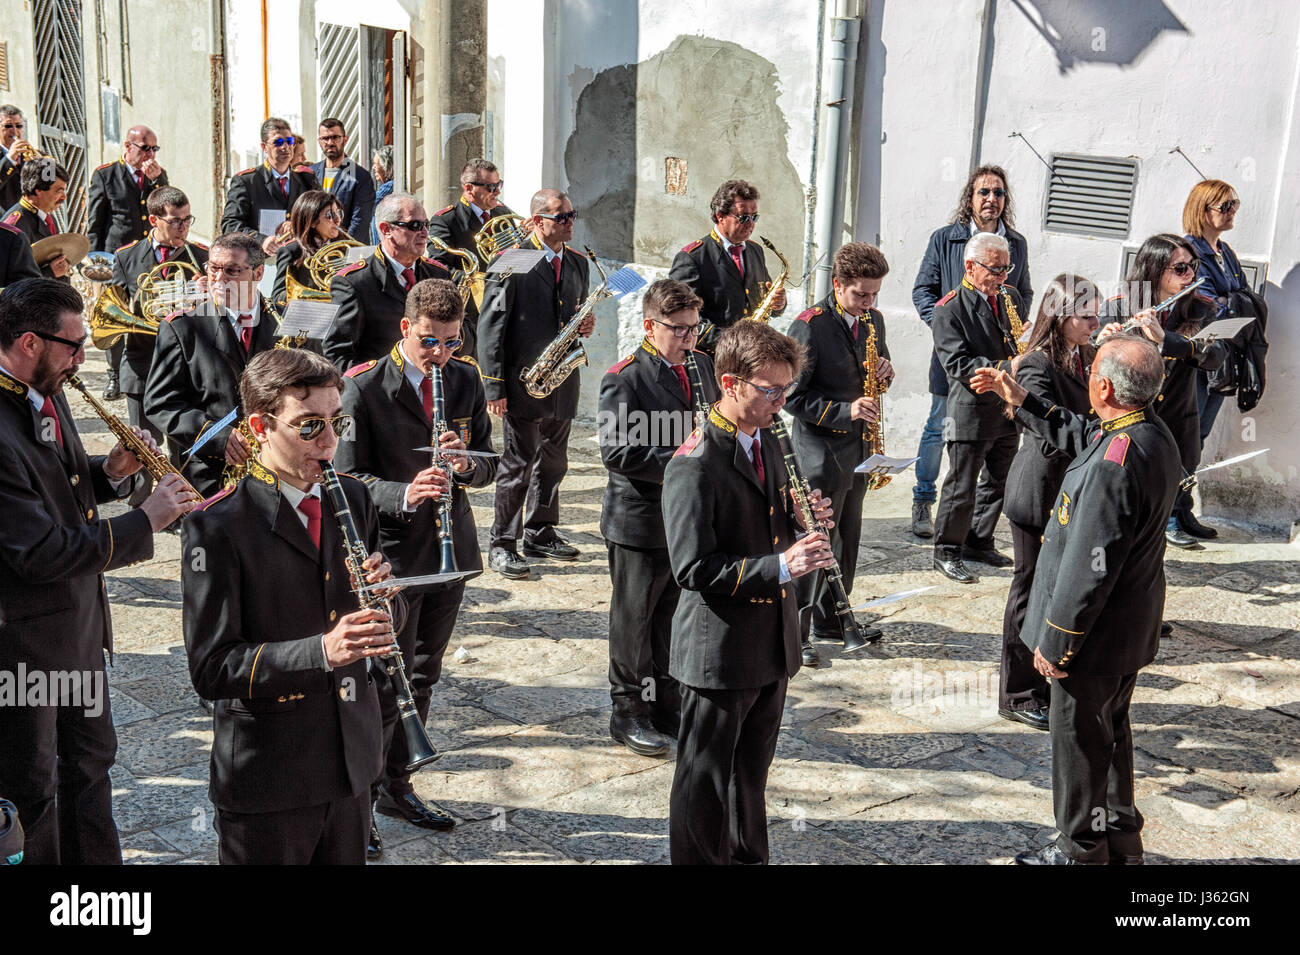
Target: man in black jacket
(274,185)
(984,206)
(371,294)
(349,181)
(16,260)
(724,268)
(479,201)
(520,318)
(275,635)
(972,328)
(45,187)
(54,614)
(1098,594)
(12,142)
(194,380)
(730,526)
(832,418)
(394,405)
(647,404)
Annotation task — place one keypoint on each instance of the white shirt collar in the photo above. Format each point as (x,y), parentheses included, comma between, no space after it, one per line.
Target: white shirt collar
(728,245)
(475,209)
(396,266)
(256,311)
(1002,229)
(134,172)
(551,254)
(747,441)
(35,397)
(295,497)
(410,369)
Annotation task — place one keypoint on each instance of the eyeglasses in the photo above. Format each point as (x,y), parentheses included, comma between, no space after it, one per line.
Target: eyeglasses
(309,429)
(428,341)
(75,346)
(413,225)
(680,331)
(563,218)
(745,217)
(229,271)
(1224,208)
(11,125)
(997,193)
(771,394)
(332,215)
(492,187)
(1182,268)
(176,222)
(284,141)
(143,148)
(996,269)
(333,138)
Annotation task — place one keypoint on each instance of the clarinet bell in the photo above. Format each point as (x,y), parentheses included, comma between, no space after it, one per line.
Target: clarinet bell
(418,748)
(856,636)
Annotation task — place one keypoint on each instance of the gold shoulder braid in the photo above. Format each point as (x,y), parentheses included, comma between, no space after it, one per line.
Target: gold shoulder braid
(256,470)
(717,418)
(649,346)
(1017,327)
(1123,421)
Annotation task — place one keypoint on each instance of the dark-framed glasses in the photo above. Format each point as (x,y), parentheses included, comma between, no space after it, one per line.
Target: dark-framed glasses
(997,193)
(309,429)
(145,149)
(772,393)
(177,222)
(997,269)
(745,217)
(1184,268)
(1226,208)
(75,346)
(560,217)
(492,187)
(412,225)
(680,331)
(229,271)
(429,341)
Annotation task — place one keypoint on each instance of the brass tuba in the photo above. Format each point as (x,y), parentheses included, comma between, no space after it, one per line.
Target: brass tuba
(112,318)
(498,234)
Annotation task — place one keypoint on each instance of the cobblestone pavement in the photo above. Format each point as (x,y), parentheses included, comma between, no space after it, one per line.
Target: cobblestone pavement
(895,755)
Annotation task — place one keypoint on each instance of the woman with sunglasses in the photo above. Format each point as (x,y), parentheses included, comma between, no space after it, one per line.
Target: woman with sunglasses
(1165,265)
(1055,368)
(316,221)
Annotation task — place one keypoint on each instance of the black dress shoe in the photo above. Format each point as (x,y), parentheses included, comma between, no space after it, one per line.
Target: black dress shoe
(636,733)
(811,658)
(954,570)
(410,807)
(112,390)
(989,556)
(1048,855)
(375,847)
(1037,718)
(507,563)
(555,550)
(1188,522)
(1166,628)
(1178,537)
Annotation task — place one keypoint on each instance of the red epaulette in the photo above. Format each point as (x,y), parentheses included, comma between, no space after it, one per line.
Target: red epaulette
(1117,450)
(689,444)
(106,165)
(348,269)
(174,315)
(127,246)
(947,298)
(693,246)
(216,497)
(358,369)
(437,263)
(6,225)
(245,172)
(13,217)
(443,212)
(199,245)
(807,314)
(615,369)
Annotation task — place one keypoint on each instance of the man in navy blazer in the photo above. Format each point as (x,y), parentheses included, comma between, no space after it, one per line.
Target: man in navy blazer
(351,183)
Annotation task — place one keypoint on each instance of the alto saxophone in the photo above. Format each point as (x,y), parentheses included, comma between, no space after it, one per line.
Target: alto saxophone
(565,353)
(1017,326)
(801,491)
(873,388)
(448,552)
(763,313)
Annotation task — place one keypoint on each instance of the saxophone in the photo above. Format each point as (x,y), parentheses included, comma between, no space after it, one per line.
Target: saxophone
(448,554)
(763,313)
(801,491)
(565,353)
(873,388)
(1017,326)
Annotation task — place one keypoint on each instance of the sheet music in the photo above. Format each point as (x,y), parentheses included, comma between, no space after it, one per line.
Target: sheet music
(269,220)
(311,318)
(358,252)
(885,465)
(516,260)
(1223,328)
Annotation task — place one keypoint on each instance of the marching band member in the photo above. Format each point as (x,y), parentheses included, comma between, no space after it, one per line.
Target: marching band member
(316,221)
(479,201)
(275,184)
(45,186)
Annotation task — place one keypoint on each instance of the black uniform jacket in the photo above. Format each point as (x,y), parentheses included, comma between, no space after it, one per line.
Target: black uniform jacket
(643,418)
(707,268)
(56,546)
(830,444)
(456,226)
(131,262)
(286,263)
(16,260)
(380,450)
(194,382)
(736,625)
(11,188)
(117,210)
(521,316)
(1038,467)
(371,302)
(1099,588)
(967,336)
(288,733)
(29,222)
(252,190)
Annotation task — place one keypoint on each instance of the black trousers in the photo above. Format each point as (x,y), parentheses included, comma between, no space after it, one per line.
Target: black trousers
(1092,768)
(135,414)
(114,356)
(331,833)
(54,769)
(717,813)
(1020,686)
(640,633)
(431,617)
(968,512)
(534,459)
(846,536)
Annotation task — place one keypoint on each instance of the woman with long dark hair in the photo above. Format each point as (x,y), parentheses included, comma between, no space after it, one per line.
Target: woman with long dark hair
(1165,265)
(1055,368)
(316,220)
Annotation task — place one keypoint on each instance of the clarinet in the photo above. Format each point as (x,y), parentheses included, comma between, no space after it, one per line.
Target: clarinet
(418,748)
(801,491)
(448,559)
(697,390)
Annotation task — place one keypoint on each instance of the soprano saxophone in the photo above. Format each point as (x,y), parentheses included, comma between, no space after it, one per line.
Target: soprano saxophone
(873,388)
(854,636)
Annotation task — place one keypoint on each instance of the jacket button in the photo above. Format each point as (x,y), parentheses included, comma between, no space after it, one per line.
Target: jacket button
(333,615)
(90,513)
(782,593)
(281,699)
(771,511)
(343,693)
(1160,397)
(76,479)
(327,575)
(776,540)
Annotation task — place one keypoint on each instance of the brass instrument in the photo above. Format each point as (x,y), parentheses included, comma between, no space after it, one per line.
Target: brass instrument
(473,280)
(418,748)
(697,390)
(321,266)
(28,152)
(565,353)
(801,491)
(168,287)
(763,312)
(448,553)
(1013,316)
(112,318)
(498,234)
(96,267)
(872,387)
(155,462)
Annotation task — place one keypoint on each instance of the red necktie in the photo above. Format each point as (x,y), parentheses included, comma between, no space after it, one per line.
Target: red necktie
(556,263)
(756,452)
(284,185)
(993,304)
(246,333)
(49,224)
(408,276)
(311,507)
(856,323)
(484,217)
(737,256)
(139,181)
(426,397)
(164,253)
(681,376)
(49,411)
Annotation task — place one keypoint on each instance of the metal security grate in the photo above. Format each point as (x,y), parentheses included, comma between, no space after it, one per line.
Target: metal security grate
(60,100)
(338,77)
(4,65)
(1090,195)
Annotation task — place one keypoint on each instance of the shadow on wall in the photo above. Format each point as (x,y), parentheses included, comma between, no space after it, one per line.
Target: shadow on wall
(653,140)
(1099,31)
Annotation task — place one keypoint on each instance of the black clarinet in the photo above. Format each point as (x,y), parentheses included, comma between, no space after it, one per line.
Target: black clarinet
(418,748)
(448,554)
(697,391)
(802,492)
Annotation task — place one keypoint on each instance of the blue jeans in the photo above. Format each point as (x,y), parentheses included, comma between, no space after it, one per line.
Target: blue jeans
(930,452)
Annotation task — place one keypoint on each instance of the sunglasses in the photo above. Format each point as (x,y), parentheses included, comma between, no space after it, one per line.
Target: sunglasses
(997,193)
(284,141)
(309,429)
(492,187)
(1183,268)
(561,217)
(996,269)
(332,215)
(413,225)
(1232,205)
(680,331)
(75,346)
(11,126)
(746,217)
(145,149)
(771,394)
(428,341)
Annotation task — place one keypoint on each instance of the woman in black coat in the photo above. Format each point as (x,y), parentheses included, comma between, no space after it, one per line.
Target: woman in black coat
(316,220)
(1055,368)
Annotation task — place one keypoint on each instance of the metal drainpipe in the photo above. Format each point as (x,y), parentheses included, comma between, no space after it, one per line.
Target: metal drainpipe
(839,107)
(810,211)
